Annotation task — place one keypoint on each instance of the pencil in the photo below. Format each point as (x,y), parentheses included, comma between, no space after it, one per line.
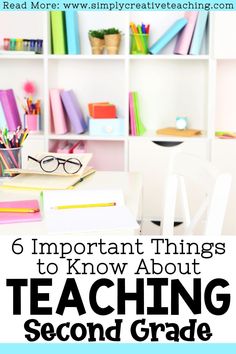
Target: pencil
(81,206)
(18,210)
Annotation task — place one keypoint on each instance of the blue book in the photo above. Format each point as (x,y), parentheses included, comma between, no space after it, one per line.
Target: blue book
(198,35)
(168,36)
(72,32)
(3,123)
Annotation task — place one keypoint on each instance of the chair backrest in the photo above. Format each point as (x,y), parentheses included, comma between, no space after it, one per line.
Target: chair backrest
(205,176)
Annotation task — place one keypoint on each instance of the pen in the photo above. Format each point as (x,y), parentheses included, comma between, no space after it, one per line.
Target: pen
(18,210)
(81,206)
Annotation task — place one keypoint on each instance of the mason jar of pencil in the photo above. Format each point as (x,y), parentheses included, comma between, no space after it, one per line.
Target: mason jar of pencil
(10,158)
(139,43)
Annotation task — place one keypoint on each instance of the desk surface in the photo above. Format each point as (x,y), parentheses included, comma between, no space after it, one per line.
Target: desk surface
(130,183)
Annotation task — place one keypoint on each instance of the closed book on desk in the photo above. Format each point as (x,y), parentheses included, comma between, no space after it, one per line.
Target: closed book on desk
(185,37)
(10,109)
(34,182)
(73,111)
(72,32)
(199,33)
(58,32)
(58,113)
(11,218)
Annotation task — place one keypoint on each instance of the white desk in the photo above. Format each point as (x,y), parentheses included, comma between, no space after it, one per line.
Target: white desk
(130,183)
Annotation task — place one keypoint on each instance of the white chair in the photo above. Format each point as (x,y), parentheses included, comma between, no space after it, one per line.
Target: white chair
(203,175)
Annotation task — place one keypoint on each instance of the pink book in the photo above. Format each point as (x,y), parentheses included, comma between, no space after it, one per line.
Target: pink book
(185,37)
(58,114)
(11,218)
(131,115)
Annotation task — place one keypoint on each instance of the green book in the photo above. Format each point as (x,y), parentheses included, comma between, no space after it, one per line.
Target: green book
(58,31)
(140,128)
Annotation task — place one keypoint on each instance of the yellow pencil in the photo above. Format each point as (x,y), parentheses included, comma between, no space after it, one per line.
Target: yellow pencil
(80,206)
(18,210)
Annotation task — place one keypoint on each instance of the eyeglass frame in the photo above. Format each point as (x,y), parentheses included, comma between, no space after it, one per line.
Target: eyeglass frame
(60,161)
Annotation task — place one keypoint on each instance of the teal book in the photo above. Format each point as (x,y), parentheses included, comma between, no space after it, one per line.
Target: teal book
(199,32)
(3,123)
(72,32)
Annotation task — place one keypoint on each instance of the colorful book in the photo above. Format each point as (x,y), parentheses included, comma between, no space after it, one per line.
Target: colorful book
(185,37)
(3,123)
(73,111)
(131,115)
(168,36)
(199,32)
(10,218)
(72,32)
(58,32)
(178,132)
(140,128)
(10,109)
(58,113)
(102,110)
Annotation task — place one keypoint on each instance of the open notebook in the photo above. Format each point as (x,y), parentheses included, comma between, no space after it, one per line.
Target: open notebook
(86,219)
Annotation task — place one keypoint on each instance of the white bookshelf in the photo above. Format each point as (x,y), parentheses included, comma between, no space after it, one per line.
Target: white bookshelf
(201,87)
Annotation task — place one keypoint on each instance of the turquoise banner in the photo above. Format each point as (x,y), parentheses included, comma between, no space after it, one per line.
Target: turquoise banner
(124,5)
(118,348)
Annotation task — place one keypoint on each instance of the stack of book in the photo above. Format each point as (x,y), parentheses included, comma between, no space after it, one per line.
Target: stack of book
(64,32)
(189,32)
(65,109)
(9,114)
(136,124)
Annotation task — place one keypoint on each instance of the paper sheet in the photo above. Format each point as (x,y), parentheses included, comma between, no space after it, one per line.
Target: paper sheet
(88,219)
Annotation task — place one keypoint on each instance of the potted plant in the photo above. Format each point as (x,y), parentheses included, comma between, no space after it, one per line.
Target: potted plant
(112,38)
(97,41)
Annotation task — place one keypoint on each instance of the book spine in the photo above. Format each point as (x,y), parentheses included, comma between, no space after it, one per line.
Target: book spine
(10,109)
(139,124)
(199,33)
(58,115)
(131,115)
(3,122)
(168,36)
(184,39)
(72,32)
(73,111)
(58,32)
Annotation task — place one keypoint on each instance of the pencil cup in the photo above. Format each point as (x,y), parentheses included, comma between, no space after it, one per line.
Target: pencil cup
(139,44)
(32,121)
(9,158)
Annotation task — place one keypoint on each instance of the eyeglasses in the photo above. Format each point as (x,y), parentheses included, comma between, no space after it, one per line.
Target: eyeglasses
(50,164)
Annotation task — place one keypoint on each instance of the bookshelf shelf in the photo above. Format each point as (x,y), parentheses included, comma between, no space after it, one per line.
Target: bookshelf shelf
(169,57)
(200,87)
(84,137)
